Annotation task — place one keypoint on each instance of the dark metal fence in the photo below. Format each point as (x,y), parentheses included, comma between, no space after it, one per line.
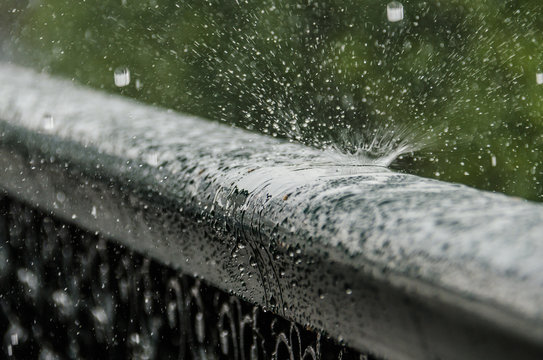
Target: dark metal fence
(67,293)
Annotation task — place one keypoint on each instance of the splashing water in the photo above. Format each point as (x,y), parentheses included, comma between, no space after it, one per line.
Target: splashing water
(378,146)
(308,70)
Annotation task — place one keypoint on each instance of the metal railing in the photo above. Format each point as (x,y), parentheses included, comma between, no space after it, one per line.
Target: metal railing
(73,294)
(389,264)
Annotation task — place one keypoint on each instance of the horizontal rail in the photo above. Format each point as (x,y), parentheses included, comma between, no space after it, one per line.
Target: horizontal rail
(394,264)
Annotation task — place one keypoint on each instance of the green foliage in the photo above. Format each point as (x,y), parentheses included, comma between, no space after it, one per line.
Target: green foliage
(456,76)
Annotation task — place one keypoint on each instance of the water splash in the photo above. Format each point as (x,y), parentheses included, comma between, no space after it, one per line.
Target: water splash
(378,145)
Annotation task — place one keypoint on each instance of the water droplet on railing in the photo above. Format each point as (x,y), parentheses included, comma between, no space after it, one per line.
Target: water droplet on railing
(121,76)
(48,122)
(61,197)
(394,11)
(152,158)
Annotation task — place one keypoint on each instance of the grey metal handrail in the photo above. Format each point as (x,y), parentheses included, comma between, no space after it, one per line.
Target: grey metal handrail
(394,264)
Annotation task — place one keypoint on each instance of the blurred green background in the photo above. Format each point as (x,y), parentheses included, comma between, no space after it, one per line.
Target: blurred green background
(455,80)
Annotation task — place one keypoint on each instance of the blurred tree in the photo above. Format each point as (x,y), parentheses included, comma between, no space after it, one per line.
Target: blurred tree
(453,83)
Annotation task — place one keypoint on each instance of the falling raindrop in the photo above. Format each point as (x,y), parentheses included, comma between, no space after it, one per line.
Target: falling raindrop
(48,122)
(394,11)
(121,76)
(539,78)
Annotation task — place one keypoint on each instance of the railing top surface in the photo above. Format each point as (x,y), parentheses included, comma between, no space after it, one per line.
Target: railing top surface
(444,245)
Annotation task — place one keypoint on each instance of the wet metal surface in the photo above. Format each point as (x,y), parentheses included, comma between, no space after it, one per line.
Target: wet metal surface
(404,266)
(69,294)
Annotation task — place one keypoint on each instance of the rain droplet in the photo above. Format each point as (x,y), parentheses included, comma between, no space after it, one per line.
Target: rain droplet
(152,159)
(539,78)
(394,11)
(493,160)
(48,122)
(321,294)
(61,197)
(93,212)
(121,76)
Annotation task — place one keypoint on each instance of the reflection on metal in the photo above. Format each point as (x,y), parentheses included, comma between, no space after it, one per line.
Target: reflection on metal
(67,293)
